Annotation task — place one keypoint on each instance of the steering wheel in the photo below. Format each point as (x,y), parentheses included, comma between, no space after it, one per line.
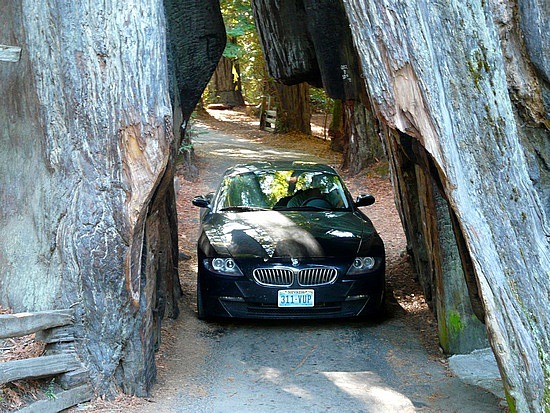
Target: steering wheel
(317,203)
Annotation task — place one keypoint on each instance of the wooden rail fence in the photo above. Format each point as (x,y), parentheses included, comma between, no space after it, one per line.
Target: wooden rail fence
(271,120)
(59,360)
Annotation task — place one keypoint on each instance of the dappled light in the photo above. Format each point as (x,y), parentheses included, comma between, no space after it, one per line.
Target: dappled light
(369,388)
(277,234)
(366,387)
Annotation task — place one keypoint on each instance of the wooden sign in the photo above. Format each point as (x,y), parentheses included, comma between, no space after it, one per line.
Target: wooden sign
(9,53)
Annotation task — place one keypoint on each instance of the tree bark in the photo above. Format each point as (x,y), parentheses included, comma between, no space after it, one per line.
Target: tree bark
(438,73)
(87,214)
(196,40)
(225,86)
(362,141)
(336,128)
(293,108)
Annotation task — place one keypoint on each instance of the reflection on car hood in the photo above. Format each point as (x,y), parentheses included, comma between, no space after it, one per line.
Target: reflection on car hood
(294,234)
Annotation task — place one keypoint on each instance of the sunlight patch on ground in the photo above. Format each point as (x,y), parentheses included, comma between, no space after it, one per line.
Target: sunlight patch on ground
(251,154)
(368,387)
(276,377)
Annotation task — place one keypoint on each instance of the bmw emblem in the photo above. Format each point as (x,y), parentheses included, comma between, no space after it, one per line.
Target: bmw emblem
(294,262)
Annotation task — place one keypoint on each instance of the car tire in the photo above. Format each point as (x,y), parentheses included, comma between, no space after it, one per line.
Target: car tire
(202,314)
(377,314)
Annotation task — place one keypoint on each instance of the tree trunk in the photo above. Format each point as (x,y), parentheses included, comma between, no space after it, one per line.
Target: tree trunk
(294,108)
(88,215)
(437,73)
(362,141)
(225,86)
(463,110)
(196,40)
(336,129)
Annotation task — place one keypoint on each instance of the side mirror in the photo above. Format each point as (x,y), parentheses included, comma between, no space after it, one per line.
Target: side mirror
(364,200)
(201,202)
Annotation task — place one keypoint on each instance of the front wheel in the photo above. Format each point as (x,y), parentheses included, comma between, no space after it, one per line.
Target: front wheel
(201,310)
(375,313)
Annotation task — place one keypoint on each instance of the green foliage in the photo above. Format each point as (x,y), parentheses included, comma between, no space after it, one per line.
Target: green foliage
(191,132)
(243,46)
(239,24)
(320,101)
(50,394)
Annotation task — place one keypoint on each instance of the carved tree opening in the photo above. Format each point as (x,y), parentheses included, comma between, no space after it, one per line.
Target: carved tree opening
(460,92)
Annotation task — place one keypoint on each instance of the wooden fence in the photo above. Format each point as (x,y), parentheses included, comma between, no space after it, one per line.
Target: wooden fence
(270,120)
(59,360)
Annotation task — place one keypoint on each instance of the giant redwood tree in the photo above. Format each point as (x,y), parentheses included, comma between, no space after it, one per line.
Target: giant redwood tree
(87,217)
(460,91)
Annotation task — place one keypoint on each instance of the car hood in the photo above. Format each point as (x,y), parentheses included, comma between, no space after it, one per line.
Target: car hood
(295,234)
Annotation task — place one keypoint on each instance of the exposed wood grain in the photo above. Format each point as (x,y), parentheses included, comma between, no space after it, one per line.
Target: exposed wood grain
(37,367)
(56,334)
(15,325)
(436,73)
(9,53)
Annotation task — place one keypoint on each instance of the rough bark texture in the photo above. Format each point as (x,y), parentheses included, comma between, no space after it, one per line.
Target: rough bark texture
(87,218)
(336,127)
(362,143)
(196,40)
(310,40)
(437,72)
(293,108)
(225,86)
(464,104)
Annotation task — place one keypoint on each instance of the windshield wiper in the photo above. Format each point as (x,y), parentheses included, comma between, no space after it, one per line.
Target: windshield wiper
(302,208)
(242,208)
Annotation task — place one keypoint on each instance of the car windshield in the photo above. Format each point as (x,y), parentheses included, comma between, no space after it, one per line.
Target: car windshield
(281,190)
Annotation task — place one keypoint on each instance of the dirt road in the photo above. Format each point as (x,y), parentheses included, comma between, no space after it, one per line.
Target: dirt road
(309,366)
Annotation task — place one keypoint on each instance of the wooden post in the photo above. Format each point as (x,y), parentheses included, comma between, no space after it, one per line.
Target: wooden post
(9,53)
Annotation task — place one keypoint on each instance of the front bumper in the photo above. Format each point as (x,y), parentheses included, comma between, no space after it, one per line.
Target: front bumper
(242,297)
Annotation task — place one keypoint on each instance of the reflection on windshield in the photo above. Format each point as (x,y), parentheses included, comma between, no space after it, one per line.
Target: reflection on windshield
(287,189)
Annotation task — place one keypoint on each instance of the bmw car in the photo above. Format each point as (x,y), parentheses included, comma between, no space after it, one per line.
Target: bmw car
(287,240)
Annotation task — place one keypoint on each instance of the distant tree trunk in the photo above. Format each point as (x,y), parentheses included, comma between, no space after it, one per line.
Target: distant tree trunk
(336,128)
(354,131)
(294,108)
(362,142)
(225,86)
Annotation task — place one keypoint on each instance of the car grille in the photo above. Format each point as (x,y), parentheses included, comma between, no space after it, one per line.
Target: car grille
(284,277)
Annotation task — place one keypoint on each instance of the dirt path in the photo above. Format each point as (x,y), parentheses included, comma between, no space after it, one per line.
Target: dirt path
(394,366)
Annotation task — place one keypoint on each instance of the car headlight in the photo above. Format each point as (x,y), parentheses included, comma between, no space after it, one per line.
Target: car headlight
(225,266)
(362,265)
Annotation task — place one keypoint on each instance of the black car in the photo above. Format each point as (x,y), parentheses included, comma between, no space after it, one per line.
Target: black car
(286,240)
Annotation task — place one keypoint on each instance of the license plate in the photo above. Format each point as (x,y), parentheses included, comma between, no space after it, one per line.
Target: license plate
(295,298)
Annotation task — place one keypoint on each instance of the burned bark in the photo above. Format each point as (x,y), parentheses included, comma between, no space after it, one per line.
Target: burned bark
(196,40)
(310,40)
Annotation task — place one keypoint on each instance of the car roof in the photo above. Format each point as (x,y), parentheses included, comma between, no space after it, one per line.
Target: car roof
(280,166)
